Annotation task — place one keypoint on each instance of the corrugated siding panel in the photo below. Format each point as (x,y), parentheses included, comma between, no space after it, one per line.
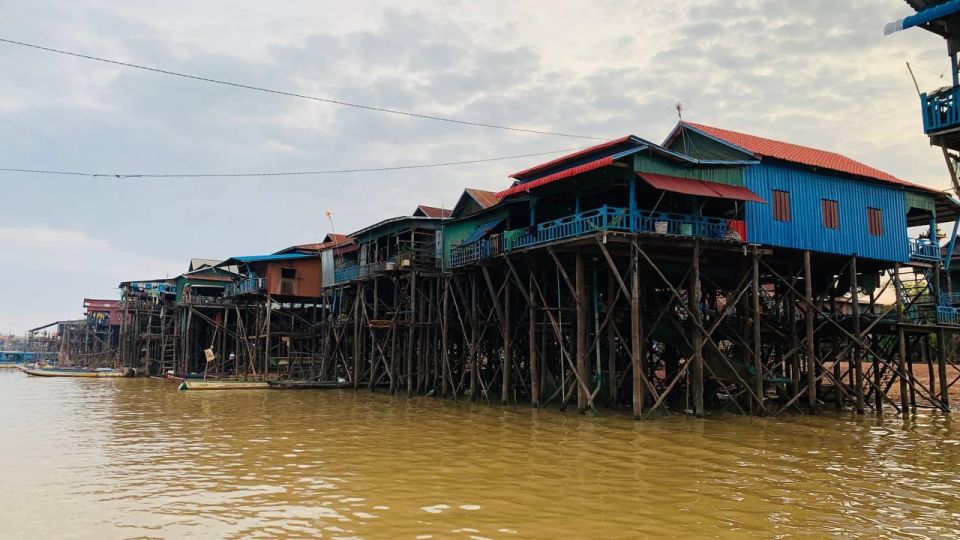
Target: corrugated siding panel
(653,164)
(922,201)
(327,268)
(805,229)
(696,145)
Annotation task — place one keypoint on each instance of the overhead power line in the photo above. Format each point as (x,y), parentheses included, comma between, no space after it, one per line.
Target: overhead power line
(123,176)
(302,96)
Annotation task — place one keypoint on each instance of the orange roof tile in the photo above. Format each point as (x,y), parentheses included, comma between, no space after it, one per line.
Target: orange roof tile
(801,154)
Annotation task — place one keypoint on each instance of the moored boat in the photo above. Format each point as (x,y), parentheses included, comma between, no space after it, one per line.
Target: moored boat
(308,385)
(99,373)
(222,384)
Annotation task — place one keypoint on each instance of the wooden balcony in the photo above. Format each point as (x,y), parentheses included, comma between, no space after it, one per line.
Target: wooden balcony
(922,249)
(249,285)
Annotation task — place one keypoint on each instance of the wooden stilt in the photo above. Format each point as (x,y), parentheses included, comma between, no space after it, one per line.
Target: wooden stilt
(757,352)
(694,295)
(811,346)
(507,367)
(857,364)
(532,345)
(581,308)
(637,348)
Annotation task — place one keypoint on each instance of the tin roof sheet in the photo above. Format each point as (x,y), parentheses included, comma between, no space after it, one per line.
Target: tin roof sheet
(796,153)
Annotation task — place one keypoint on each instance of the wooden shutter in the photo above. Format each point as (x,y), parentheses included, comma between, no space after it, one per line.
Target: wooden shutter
(781,205)
(875,221)
(831,213)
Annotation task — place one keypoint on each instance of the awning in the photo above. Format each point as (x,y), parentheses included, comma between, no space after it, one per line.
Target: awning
(701,188)
(482,230)
(923,16)
(566,173)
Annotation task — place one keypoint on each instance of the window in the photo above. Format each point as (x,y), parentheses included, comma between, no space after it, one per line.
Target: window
(831,213)
(781,205)
(288,273)
(875,222)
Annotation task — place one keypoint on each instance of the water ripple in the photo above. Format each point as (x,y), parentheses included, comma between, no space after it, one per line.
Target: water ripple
(135,458)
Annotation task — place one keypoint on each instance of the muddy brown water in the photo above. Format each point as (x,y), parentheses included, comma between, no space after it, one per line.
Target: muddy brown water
(136,458)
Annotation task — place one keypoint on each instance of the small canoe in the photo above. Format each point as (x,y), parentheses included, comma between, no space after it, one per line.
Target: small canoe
(307,385)
(73,372)
(221,384)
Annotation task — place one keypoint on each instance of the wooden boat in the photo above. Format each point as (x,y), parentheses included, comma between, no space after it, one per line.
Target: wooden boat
(307,385)
(101,373)
(221,384)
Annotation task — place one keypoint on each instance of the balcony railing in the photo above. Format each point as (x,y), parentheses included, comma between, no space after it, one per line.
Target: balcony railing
(246,286)
(940,110)
(358,271)
(948,315)
(622,219)
(479,250)
(922,249)
(196,299)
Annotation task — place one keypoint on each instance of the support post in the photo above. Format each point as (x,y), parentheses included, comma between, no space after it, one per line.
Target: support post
(612,387)
(901,343)
(693,298)
(855,357)
(532,345)
(637,349)
(811,350)
(757,353)
(505,387)
(581,307)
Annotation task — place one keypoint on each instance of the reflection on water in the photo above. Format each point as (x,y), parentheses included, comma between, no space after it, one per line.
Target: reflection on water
(136,458)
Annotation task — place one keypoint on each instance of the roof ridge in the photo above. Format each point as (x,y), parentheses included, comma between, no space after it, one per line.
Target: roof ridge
(802,154)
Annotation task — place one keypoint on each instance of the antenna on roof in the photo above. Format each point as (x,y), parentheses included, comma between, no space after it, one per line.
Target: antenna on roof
(680,107)
(336,242)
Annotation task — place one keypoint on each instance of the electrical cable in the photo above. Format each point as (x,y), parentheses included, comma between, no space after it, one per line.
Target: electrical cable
(301,96)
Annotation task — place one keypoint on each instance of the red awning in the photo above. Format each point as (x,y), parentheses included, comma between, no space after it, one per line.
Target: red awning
(567,173)
(702,188)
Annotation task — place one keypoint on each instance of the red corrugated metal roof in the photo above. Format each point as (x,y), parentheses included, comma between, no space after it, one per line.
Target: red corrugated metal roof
(702,188)
(568,157)
(573,171)
(800,154)
(433,212)
(484,198)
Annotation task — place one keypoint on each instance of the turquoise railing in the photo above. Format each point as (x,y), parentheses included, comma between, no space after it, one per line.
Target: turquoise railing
(245,286)
(470,253)
(619,219)
(358,271)
(923,249)
(476,251)
(346,274)
(948,315)
(940,110)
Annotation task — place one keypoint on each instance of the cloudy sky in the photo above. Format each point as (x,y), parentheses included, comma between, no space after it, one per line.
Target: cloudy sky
(817,72)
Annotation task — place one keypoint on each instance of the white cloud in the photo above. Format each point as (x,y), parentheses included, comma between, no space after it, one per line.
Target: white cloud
(817,72)
(47,273)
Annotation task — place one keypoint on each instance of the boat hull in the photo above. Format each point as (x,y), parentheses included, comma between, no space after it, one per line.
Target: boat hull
(307,385)
(84,374)
(201,384)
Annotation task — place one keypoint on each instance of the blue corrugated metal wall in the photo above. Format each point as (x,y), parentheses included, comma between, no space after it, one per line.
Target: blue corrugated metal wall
(805,229)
